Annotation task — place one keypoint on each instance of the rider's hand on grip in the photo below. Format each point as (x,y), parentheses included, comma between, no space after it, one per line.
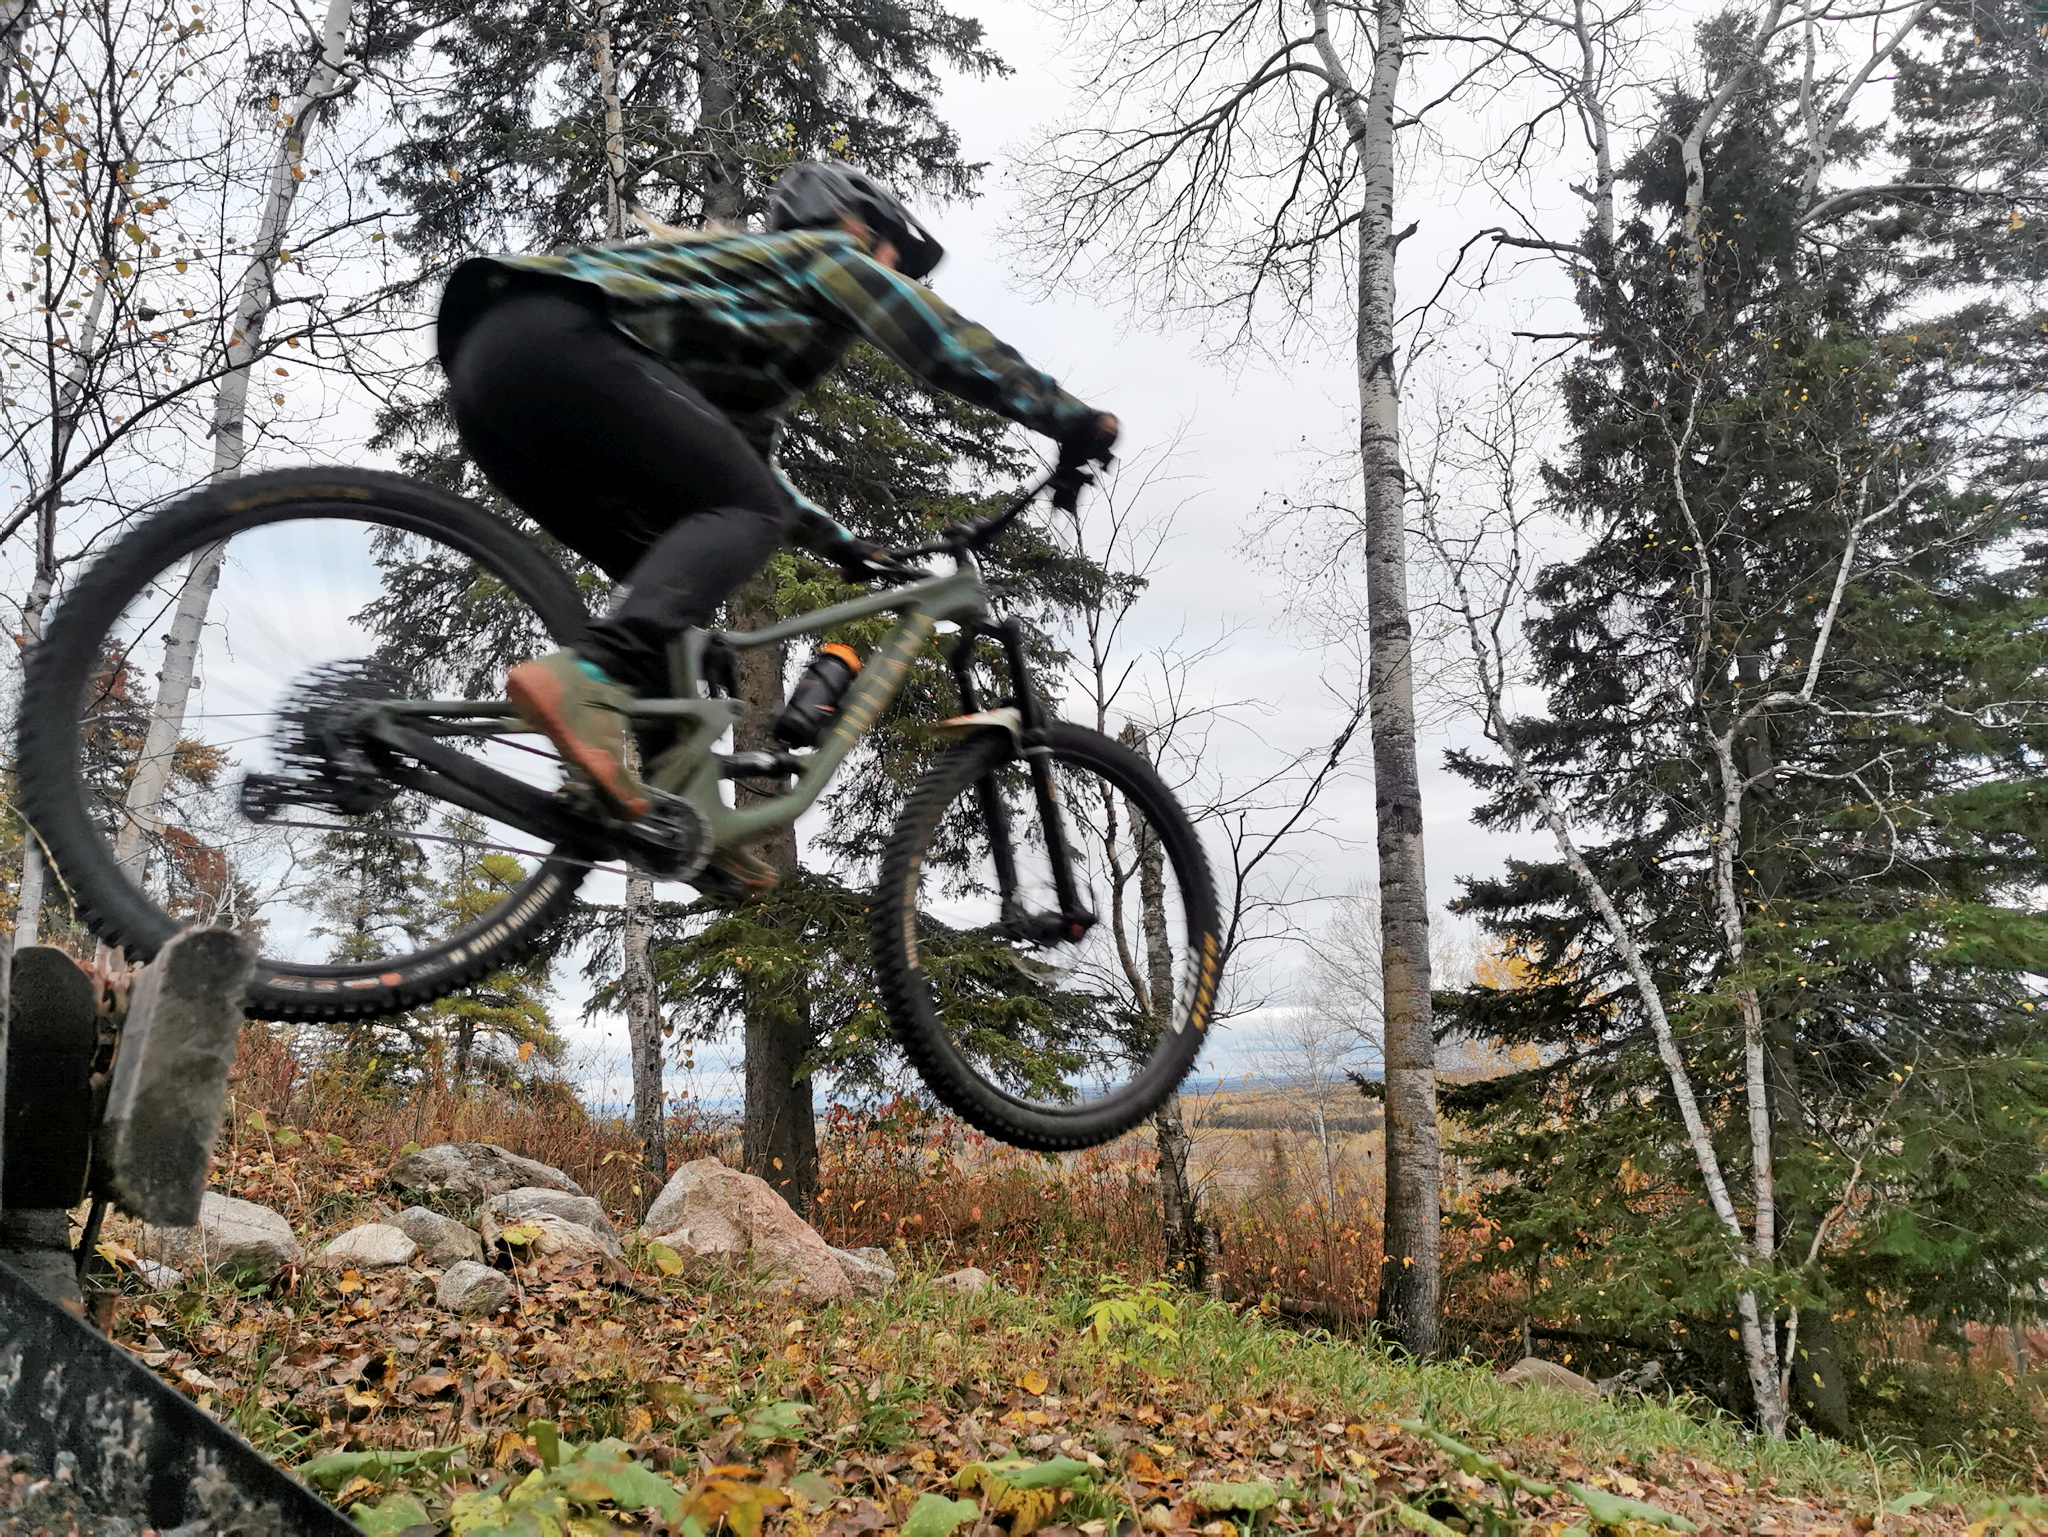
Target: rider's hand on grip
(861,560)
(1089,442)
(1085,446)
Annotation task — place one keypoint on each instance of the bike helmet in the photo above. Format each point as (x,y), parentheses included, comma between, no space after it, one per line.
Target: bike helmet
(817,194)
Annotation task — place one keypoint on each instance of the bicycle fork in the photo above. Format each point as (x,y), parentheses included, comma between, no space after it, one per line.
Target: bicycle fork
(1074,919)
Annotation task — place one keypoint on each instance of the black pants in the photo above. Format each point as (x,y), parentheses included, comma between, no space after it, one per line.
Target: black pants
(618,456)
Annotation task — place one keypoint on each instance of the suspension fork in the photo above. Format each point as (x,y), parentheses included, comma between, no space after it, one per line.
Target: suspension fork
(994,814)
(1075,920)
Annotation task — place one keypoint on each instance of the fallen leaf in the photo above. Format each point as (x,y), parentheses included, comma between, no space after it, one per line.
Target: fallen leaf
(1248,1497)
(935,1516)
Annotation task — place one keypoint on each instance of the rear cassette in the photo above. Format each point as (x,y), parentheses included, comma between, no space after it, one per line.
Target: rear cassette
(321,743)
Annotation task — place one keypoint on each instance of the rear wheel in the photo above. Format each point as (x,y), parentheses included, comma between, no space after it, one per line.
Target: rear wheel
(1047,1042)
(265,593)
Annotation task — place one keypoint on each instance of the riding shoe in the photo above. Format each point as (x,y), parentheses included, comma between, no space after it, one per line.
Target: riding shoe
(583,713)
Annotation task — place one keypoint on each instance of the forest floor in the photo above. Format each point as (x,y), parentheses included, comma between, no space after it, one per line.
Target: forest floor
(1075,1408)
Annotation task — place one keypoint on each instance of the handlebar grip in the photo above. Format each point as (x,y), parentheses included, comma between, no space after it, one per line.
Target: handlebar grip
(1066,486)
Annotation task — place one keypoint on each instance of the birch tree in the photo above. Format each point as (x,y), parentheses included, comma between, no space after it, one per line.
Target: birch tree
(125,176)
(255,302)
(1798,469)
(1240,163)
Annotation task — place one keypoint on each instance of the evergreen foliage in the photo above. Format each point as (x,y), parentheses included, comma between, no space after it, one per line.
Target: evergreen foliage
(383,895)
(1839,457)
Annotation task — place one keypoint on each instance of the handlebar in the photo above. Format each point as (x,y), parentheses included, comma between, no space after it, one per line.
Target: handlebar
(1065,483)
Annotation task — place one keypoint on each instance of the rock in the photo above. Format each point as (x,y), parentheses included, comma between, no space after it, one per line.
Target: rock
(468,1287)
(368,1247)
(968,1279)
(234,1238)
(170,1078)
(158,1277)
(551,1235)
(469,1173)
(442,1240)
(1533,1371)
(517,1205)
(1636,1379)
(868,1269)
(708,1211)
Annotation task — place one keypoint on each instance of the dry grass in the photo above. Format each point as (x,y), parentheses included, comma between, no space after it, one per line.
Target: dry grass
(541,1119)
(1296,1215)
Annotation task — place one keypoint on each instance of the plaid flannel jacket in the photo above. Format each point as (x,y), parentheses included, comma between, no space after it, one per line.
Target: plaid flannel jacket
(754,321)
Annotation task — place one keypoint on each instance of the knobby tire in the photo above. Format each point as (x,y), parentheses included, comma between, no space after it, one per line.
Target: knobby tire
(914,1013)
(61,668)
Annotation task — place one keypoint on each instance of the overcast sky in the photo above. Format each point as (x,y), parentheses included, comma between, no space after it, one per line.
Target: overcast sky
(1225,435)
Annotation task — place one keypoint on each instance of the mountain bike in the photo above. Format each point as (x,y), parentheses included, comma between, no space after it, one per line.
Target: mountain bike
(349,782)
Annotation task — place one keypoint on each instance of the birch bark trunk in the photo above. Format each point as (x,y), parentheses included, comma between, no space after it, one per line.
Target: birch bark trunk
(256,300)
(614,121)
(642,1003)
(1409,1291)
(28,902)
(638,995)
(1180,1214)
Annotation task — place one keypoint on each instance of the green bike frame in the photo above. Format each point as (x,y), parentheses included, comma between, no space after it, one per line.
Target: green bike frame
(690,770)
(403,734)
(693,772)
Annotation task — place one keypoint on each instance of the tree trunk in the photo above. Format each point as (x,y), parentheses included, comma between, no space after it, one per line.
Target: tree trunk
(230,420)
(1409,1282)
(642,1004)
(779,1140)
(615,195)
(639,996)
(718,103)
(1179,1202)
(1180,1211)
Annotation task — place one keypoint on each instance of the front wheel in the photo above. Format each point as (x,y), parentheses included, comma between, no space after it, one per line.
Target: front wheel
(1042,1039)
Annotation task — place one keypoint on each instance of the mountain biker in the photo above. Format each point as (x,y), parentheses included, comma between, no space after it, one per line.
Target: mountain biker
(630,399)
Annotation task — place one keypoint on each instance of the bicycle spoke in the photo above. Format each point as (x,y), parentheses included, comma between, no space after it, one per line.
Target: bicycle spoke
(293,598)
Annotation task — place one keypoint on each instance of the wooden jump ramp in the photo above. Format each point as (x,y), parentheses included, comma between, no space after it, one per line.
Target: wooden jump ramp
(121,1109)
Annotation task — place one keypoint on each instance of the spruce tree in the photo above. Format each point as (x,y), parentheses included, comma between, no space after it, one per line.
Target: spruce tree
(1852,395)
